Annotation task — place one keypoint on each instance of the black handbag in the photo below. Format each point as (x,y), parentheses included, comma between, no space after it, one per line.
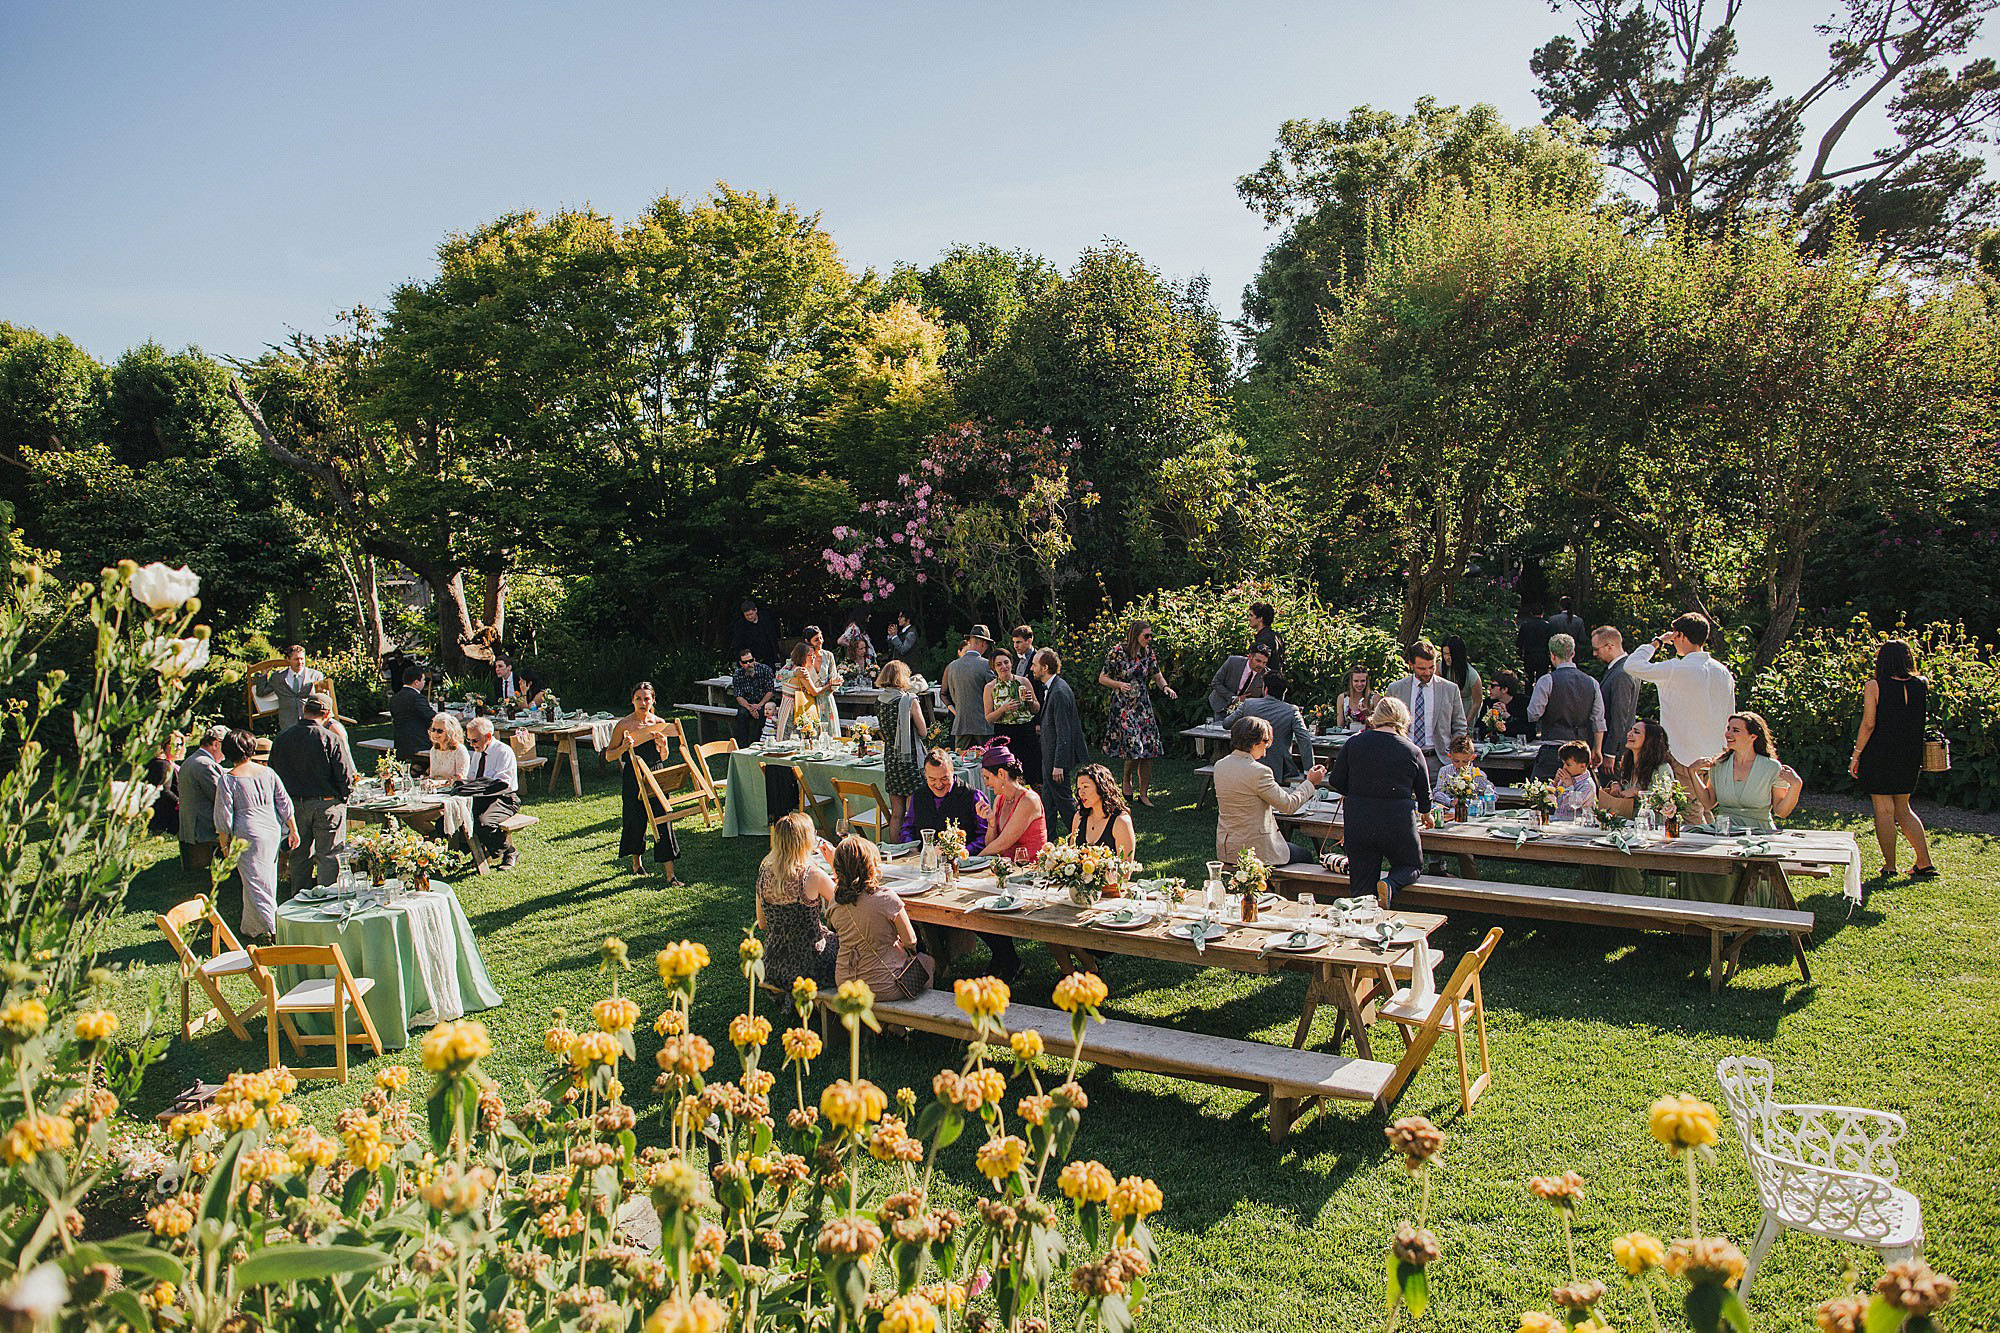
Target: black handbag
(478,787)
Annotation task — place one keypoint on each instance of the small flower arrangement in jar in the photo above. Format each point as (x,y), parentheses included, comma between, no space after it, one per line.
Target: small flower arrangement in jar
(1249,878)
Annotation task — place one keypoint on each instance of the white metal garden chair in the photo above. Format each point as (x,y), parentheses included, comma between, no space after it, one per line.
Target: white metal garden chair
(1826,1170)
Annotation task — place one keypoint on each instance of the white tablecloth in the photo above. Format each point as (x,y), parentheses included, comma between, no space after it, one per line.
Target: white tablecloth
(436,949)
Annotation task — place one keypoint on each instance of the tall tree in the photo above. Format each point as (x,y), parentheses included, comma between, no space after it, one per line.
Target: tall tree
(1325,175)
(1659,80)
(976,292)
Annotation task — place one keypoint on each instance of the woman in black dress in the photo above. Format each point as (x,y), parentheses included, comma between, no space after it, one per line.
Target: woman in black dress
(1387,787)
(640,737)
(1101,817)
(1889,753)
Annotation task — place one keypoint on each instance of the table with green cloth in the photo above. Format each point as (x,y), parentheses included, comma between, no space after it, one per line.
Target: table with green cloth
(417,948)
(747,811)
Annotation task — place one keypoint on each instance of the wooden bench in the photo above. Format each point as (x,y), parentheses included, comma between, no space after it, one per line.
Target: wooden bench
(703,713)
(1207,789)
(378,744)
(1290,1077)
(1728,926)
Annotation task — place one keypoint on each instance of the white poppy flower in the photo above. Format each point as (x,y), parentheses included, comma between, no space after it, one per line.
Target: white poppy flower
(39,1296)
(164,589)
(174,658)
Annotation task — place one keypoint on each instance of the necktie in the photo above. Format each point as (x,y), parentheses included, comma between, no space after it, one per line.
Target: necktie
(1423,737)
(1244,684)
(480,772)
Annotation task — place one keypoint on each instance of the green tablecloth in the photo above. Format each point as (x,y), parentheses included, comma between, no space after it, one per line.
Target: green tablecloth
(746,812)
(382,944)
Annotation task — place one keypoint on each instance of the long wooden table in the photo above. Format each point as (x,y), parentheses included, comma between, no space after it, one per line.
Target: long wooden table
(1558,844)
(1511,762)
(1347,975)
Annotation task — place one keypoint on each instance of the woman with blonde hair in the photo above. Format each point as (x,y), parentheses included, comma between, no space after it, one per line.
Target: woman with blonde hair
(878,945)
(448,756)
(791,895)
(899,712)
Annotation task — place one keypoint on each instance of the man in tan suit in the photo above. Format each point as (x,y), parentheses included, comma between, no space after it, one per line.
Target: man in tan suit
(1248,798)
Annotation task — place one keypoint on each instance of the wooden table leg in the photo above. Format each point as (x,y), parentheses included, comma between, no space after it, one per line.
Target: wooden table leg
(566,748)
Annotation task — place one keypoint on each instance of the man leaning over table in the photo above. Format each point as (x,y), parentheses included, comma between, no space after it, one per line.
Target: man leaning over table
(410,714)
(1697,693)
(493,761)
(1232,680)
(196,787)
(1437,709)
(318,774)
(1290,754)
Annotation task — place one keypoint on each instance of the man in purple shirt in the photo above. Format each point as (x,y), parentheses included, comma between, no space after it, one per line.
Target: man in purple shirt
(943,799)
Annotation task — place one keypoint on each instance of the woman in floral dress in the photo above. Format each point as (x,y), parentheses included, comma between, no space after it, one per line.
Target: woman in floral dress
(899,715)
(1134,734)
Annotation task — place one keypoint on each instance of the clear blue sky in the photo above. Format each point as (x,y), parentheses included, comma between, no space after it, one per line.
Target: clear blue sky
(216,174)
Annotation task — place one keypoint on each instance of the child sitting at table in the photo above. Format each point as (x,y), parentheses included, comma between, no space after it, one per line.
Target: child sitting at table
(1576,789)
(1462,760)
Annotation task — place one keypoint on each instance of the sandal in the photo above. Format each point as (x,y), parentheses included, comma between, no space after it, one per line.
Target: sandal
(674,882)
(1924,872)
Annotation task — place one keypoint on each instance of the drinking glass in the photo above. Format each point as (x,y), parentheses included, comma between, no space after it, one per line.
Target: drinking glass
(927,860)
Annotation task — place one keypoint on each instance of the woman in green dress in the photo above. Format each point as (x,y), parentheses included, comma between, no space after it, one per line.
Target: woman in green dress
(1644,774)
(1748,785)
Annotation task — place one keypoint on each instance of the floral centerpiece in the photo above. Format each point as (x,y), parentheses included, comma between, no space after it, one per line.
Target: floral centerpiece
(806,722)
(390,770)
(938,736)
(1539,797)
(1673,806)
(402,853)
(1463,786)
(1088,873)
(1323,717)
(1249,877)
(951,848)
(864,731)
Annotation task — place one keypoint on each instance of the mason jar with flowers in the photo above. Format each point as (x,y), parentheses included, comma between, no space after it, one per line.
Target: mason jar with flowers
(1539,797)
(1462,786)
(951,849)
(1249,878)
(1671,806)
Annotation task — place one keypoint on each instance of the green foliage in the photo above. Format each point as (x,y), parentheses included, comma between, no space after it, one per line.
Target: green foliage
(1812,698)
(1325,177)
(888,399)
(976,292)
(1194,629)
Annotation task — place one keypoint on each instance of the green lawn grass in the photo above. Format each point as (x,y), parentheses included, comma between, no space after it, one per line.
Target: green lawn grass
(1588,1026)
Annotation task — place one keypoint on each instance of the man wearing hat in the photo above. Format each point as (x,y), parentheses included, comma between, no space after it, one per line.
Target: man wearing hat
(965,688)
(318,774)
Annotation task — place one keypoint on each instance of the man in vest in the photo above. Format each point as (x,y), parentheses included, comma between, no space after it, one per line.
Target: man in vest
(1569,707)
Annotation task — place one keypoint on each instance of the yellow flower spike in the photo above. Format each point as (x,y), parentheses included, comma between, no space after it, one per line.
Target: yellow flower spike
(692,1314)
(452,1048)
(853,997)
(394,1078)
(615,1014)
(1684,1122)
(1135,1196)
(908,1314)
(34,1134)
(982,997)
(1534,1321)
(746,1031)
(680,962)
(24,1019)
(802,1044)
(852,1106)
(1000,1158)
(805,994)
(1087,1182)
(1081,992)
(95,1025)
(1027,1045)
(1638,1253)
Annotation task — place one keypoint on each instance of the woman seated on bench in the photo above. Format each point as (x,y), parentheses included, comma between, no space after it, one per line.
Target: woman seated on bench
(1643,773)
(877,943)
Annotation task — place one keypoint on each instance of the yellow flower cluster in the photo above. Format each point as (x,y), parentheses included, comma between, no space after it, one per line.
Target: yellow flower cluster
(159,1296)
(686,1056)
(853,997)
(945,1295)
(1564,1191)
(393,1078)
(96,1025)
(365,1146)
(1026,1045)
(24,1019)
(746,1031)
(1534,1321)
(1002,1157)
(259,1164)
(1034,1110)
(170,1219)
(34,1134)
(1707,1262)
(1087,1182)
(908,1314)
(968,1092)
(456,1046)
(192,1124)
(557,1038)
(852,1106)
(593,1048)
(690,1314)
(1081,992)
(802,1044)
(805,993)
(891,1142)
(670,1023)
(1637,1252)
(310,1148)
(680,962)
(615,1013)
(457,1192)
(1135,1196)
(1684,1122)
(982,997)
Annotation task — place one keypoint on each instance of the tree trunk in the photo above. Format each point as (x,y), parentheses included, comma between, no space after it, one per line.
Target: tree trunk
(346,560)
(373,634)
(1580,582)
(495,616)
(1784,608)
(454,618)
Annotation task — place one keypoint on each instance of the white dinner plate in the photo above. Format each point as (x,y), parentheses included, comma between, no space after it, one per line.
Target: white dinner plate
(1124,918)
(1512,831)
(1404,934)
(995,903)
(1299,941)
(1184,930)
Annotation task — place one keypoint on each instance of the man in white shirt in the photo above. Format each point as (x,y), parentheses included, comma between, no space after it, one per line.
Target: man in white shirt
(495,761)
(1437,709)
(1697,693)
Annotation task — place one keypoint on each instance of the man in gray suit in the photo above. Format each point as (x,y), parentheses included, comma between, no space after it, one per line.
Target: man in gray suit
(292,684)
(1232,682)
(1620,689)
(1064,750)
(196,789)
(318,774)
(965,688)
(1569,706)
(1291,752)
(1437,709)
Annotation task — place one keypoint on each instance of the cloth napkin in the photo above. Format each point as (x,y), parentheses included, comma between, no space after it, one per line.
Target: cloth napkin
(1200,933)
(457,816)
(1423,983)
(1625,840)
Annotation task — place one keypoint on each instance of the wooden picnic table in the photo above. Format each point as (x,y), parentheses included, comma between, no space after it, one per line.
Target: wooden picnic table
(1513,761)
(1819,852)
(566,734)
(1348,975)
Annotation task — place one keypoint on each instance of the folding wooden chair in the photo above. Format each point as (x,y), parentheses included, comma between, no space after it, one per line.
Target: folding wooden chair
(321,995)
(862,805)
(822,809)
(717,786)
(1459,1004)
(526,760)
(227,958)
(671,792)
